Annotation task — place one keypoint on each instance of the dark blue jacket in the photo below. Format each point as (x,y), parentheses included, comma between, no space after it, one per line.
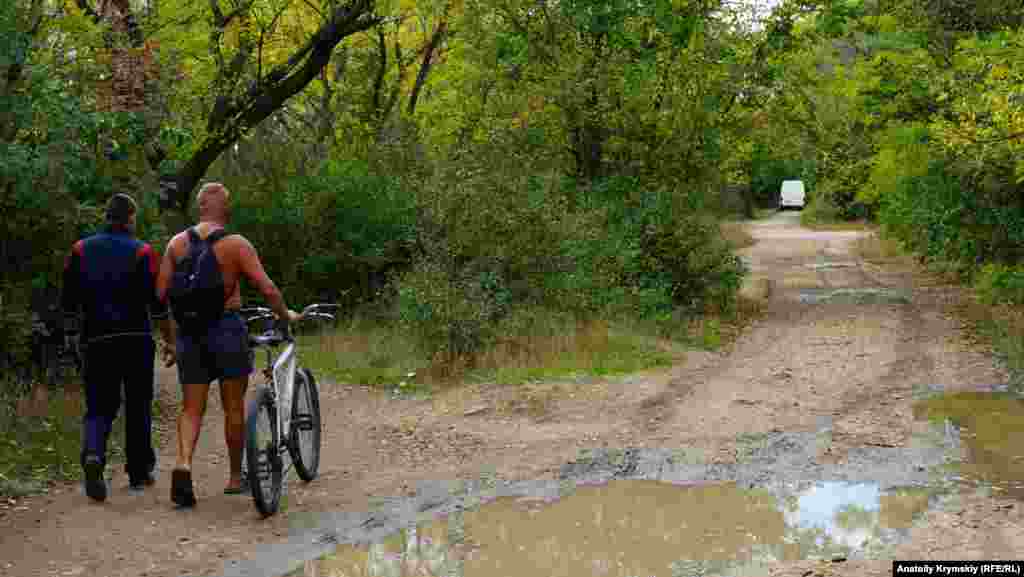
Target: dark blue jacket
(111,278)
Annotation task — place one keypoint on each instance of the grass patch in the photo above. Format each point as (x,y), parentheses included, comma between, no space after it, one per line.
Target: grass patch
(595,348)
(1000,327)
(879,250)
(736,234)
(715,331)
(361,351)
(40,442)
(38,451)
(534,347)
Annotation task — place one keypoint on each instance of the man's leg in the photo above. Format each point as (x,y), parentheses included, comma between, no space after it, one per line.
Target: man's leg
(102,399)
(231,346)
(138,413)
(232,398)
(194,376)
(190,422)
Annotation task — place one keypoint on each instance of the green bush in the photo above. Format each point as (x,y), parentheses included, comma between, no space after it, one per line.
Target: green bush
(336,233)
(451,311)
(487,239)
(494,245)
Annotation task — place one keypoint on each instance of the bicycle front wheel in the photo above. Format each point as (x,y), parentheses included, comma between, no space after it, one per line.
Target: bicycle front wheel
(262,453)
(305,426)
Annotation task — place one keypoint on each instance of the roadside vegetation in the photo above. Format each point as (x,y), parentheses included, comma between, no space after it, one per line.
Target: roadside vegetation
(908,117)
(492,194)
(500,194)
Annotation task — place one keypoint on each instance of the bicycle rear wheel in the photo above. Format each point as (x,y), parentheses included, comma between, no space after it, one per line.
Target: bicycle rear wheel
(263,453)
(305,426)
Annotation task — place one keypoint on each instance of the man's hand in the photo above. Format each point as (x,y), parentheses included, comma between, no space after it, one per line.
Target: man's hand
(170,354)
(293,317)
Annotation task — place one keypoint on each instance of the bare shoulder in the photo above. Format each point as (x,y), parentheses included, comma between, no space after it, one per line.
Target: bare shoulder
(236,248)
(238,243)
(177,242)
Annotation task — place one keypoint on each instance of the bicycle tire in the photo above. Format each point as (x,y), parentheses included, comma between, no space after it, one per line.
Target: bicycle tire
(306,466)
(263,459)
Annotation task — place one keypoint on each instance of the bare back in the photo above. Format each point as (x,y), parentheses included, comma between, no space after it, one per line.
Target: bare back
(235,255)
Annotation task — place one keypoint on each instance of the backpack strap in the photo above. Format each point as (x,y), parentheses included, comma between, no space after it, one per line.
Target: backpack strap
(217,235)
(194,244)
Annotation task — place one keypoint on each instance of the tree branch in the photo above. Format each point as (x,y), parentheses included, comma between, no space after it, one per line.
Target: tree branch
(421,77)
(378,83)
(263,98)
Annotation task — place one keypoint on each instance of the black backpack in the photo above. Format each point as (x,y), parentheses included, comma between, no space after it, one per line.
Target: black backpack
(196,293)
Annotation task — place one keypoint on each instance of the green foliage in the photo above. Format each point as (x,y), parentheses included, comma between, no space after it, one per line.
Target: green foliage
(903,153)
(768,171)
(1000,284)
(620,249)
(52,169)
(338,232)
(15,324)
(36,451)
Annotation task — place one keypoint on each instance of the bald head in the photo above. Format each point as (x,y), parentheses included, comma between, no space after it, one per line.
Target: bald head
(214,201)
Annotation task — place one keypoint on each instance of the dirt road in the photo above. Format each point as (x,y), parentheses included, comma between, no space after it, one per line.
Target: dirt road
(843,367)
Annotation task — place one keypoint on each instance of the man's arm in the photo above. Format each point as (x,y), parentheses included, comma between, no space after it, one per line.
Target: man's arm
(150,273)
(249,264)
(166,271)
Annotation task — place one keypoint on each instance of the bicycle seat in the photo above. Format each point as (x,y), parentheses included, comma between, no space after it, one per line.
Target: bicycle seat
(269,339)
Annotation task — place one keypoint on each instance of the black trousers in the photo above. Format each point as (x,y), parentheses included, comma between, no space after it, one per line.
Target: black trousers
(112,364)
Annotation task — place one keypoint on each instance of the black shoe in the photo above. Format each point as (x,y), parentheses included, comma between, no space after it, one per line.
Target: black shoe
(181,488)
(140,483)
(95,485)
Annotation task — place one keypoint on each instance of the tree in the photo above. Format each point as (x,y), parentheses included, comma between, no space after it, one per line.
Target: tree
(253,79)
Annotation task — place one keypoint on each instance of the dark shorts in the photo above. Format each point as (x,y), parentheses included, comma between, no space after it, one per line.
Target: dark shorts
(221,353)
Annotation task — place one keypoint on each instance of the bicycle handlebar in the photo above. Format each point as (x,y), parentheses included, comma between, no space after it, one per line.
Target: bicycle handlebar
(280,333)
(313,311)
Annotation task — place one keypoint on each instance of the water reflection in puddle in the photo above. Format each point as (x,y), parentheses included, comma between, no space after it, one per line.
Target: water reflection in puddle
(642,528)
(990,427)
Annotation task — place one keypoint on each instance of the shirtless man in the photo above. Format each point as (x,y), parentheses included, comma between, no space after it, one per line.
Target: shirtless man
(221,351)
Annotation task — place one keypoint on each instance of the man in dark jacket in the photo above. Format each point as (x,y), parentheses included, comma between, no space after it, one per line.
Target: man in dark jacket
(110,279)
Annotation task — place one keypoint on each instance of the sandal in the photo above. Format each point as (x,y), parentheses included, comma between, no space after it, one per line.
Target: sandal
(181,488)
(241,489)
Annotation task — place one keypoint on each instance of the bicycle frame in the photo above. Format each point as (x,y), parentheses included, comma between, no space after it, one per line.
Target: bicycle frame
(280,375)
(284,387)
(280,371)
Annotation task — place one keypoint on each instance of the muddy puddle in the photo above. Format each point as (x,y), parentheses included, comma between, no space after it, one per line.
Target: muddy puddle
(640,512)
(637,527)
(990,428)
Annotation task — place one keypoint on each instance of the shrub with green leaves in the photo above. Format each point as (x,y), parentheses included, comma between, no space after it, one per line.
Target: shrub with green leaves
(338,232)
(493,246)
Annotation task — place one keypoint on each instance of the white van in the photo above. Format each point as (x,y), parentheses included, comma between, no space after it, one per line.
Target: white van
(792,194)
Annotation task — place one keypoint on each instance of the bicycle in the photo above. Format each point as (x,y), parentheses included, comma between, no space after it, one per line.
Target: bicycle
(293,427)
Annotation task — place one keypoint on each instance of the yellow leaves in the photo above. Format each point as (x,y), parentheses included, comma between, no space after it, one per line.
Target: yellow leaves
(1000,72)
